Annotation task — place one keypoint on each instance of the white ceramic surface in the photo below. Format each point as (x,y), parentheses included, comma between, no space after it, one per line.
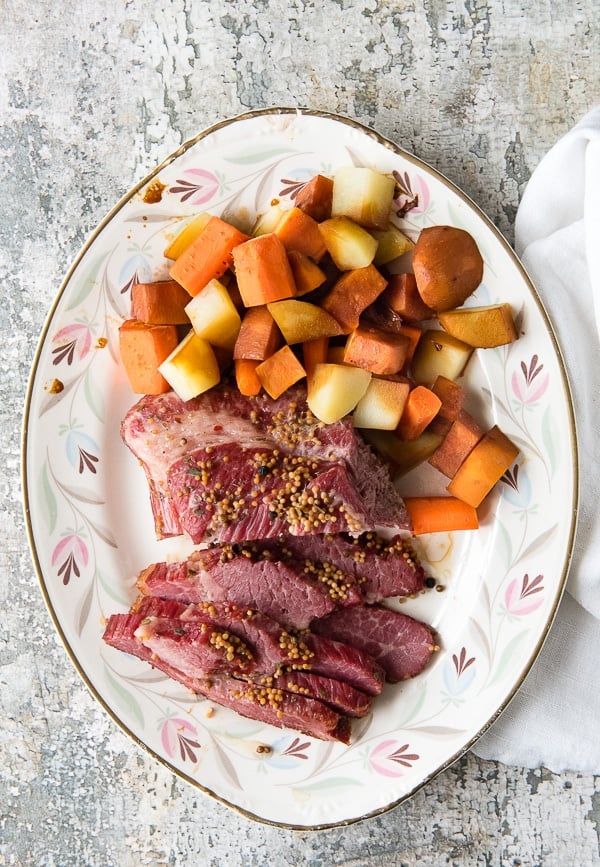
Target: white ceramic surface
(91,529)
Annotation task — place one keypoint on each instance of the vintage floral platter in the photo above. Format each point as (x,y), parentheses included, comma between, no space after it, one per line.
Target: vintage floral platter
(91,529)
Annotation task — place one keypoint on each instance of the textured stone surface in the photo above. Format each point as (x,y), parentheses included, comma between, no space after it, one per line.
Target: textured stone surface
(92,96)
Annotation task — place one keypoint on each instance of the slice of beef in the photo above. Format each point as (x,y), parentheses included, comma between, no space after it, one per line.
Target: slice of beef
(228,493)
(275,649)
(161,430)
(290,590)
(401,645)
(381,567)
(335,693)
(267,704)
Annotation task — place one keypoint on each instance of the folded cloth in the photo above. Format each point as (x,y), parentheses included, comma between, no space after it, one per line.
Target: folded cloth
(552,721)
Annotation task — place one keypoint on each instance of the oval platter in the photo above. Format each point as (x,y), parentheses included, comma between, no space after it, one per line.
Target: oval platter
(91,529)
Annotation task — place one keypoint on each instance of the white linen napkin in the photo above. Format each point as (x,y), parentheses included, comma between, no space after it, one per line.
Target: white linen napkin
(553,720)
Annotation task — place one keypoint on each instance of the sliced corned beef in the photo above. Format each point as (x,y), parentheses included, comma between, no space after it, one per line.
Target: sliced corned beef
(271,705)
(400,644)
(274,648)
(229,493)
(161,430)
(339,695)
(381,567)
(291,590)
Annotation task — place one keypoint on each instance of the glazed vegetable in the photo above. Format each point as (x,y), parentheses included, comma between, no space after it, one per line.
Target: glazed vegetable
(208,257)
(440,515)
(143,348)
(263,270)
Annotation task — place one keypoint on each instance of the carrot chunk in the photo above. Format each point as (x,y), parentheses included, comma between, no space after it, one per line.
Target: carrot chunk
(378,351)
(314,352)
(246,379)
(143,347)
(160,303)
(483,467)
(279,372)
(298,231)
(421,406)
(263,270)
(440,515)
(307,274)
(259,335)
(208,257)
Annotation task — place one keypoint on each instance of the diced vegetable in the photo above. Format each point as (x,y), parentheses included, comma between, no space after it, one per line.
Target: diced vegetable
(187,235)
(263,271)
(160,303)
(259,336)
(349,245)
(246,379)
(279,372)
(297,231)
(208,257)
(267,222)
(463,435)
(421,406)
(335,389)
(314,352)
(453,397)
(439,354)
(402,296)
(376,350)
(299,321)
(214,315)
(352,294)
(482,327)
(382,405)
(391,243)
(307,274)
(440,515)
(413,334)
(143,348)
(192,367)
(483,467)
(364,195)
(314,198)
(448,266)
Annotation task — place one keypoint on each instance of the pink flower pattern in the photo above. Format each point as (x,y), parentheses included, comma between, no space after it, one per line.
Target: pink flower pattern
(198,186)
(522,598)
(70,554)
(180,736)
(70,343)
(529,382)
(390,757)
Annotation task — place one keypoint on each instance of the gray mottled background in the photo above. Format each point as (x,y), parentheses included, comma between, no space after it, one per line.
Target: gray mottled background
(92,96)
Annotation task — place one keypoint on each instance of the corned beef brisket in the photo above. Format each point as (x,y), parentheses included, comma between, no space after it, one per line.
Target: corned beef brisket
(223,467)
(272,616)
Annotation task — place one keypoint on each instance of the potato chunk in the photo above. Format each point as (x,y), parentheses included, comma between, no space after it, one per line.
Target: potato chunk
(482,327)
(335,389)
(214,316)
(349,245)
(192,367)
(364,195)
